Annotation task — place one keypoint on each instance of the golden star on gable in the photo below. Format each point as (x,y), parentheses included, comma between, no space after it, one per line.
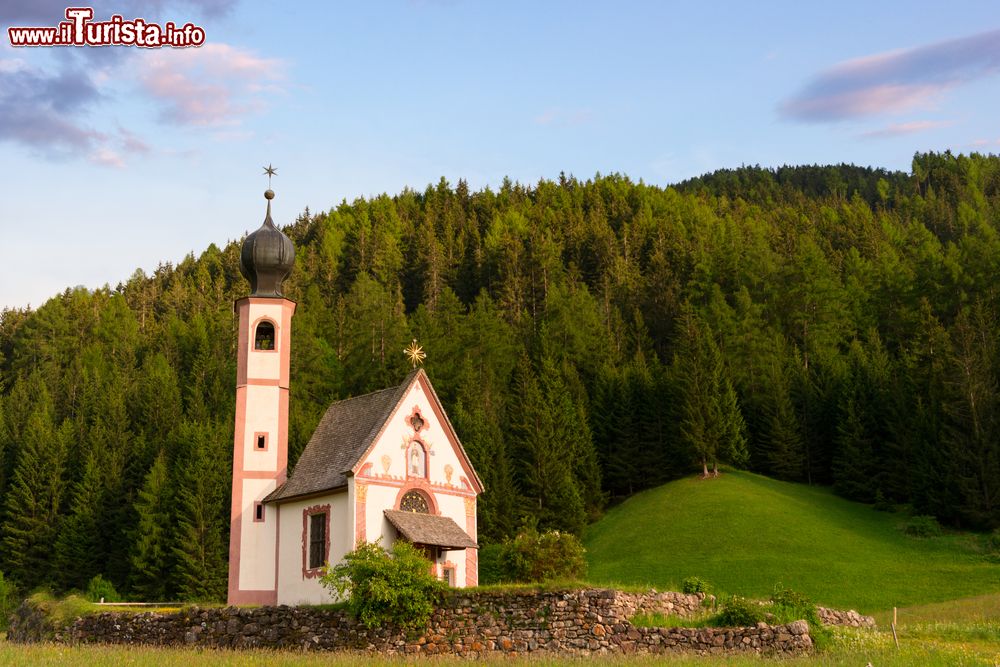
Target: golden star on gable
(415,353)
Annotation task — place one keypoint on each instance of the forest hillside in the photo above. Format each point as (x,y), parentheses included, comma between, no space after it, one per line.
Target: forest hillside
(829,325)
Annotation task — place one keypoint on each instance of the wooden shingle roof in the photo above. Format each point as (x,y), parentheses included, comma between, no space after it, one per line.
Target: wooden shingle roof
(435,531)
(343,435)
(348,429)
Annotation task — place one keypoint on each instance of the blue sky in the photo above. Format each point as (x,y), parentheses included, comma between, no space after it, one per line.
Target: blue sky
(119,158)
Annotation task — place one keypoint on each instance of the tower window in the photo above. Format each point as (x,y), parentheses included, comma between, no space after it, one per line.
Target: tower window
(258,511)
(261,442)
(264,336)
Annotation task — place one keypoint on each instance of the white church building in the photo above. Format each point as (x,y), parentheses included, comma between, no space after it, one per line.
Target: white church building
(383,465)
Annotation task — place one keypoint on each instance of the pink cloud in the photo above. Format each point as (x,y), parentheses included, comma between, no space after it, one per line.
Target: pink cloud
(912,127)
(564,117)
(895,81)
(208,86)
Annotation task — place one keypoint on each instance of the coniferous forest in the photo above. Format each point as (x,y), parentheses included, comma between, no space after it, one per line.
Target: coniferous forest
(827,325)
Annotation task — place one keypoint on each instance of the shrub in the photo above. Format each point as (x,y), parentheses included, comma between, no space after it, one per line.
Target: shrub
(382,588)
(8,601)
(739,612)
(491,570)
(788,605)
(534,557)
(100,588)
(993,542)
(695,585)
(922,525)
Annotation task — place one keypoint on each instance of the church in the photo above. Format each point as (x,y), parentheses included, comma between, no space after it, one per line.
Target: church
(383,465)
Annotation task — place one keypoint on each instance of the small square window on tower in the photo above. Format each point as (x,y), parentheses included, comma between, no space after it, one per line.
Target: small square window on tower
(260,441)
(258,511)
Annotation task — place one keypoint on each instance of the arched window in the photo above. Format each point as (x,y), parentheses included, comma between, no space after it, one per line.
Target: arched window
(264,336)
(416,462)
(414,501)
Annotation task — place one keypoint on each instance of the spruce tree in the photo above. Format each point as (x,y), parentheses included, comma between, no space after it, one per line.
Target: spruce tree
(711,424)
(784,449)
(545,456)
(199,546)
(36,497)
(80,551)
(152,558)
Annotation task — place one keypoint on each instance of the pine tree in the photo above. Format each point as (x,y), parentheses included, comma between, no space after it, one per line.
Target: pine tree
(784,450)
(80,553)
(199,546)
(711,424)
(973,407)
(152,558)
(36,498)
(484,442)
(571,436)
(545,457)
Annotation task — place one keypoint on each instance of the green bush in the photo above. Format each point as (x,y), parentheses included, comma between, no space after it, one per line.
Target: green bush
(993,542)
(788,605)
(8,601)
(922,525)
(695,585)
(386,589)
(491,570)
(100,588)
(533,557)
(739,612)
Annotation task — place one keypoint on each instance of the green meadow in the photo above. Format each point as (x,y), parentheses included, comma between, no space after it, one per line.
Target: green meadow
(745,534)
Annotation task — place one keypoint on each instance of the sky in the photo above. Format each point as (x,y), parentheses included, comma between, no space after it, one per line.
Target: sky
(119,158)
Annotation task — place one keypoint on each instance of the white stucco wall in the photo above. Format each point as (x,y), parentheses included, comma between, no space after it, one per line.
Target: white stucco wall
(293,588)
(257,538)
(396,436)
(263,404)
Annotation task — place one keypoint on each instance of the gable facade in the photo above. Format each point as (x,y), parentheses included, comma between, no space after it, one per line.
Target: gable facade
(411,462)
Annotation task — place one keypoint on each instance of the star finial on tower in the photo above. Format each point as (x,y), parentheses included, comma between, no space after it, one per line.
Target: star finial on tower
(270,171)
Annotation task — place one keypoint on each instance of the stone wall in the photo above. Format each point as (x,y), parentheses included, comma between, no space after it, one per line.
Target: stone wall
(851,619)
(466,624)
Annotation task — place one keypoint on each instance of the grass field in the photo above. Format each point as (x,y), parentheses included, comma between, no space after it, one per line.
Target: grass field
(745,533)
(852,648)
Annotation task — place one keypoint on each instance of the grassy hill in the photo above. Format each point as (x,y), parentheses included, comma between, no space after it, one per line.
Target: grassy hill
(745,533)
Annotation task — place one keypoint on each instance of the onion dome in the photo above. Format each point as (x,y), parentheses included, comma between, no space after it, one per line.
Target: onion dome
(267,257)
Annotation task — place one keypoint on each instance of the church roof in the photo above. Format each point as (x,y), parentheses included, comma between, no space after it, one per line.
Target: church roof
(344,435)
(437,531)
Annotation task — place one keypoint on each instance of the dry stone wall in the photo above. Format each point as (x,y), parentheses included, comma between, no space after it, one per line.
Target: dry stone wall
(466,624)
(850,619)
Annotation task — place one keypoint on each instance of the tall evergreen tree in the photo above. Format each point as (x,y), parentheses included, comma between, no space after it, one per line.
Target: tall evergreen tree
(199,544)
(784,449)
(80,552)
(711,425)
(152,558)
(973,408)
(544,453)
(36,497)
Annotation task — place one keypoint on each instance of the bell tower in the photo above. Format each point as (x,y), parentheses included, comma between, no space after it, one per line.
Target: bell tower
(260,446)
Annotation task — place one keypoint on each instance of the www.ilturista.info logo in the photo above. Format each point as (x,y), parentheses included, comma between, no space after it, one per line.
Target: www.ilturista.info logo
(79,30)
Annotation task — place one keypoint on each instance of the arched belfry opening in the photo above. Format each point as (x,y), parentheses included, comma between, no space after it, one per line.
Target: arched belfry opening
(263,338)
